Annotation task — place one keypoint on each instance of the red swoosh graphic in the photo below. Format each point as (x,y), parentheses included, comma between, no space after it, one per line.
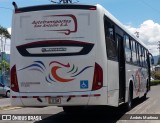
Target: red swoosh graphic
(68,65)
(54,74)
(138,75)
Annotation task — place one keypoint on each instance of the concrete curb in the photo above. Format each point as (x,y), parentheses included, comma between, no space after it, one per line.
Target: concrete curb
(4,106)
(8,107)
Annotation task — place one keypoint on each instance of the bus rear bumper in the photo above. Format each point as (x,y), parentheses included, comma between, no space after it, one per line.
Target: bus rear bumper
(98,97)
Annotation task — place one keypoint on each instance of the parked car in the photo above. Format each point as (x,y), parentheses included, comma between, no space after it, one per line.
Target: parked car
(4,90)
(152,79)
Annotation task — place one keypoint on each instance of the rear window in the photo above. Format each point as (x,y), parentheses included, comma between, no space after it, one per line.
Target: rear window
(55,32)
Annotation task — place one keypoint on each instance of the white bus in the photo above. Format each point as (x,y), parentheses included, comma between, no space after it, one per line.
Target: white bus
(73,56)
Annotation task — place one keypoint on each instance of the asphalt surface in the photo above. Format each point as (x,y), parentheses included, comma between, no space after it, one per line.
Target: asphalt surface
(5,102)
(104,114)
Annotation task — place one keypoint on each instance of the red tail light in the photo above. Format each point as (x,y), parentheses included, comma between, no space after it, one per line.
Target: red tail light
(98,77)
(93,8)
(14,81)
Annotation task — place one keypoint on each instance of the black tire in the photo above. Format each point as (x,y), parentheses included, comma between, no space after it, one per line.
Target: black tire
(145,96)
(73,109)
(8,94)
(130,98)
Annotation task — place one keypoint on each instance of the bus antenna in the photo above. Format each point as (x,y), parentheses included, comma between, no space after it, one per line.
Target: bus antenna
(15,5)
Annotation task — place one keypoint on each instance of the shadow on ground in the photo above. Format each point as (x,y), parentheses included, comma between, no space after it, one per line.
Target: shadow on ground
(92,114)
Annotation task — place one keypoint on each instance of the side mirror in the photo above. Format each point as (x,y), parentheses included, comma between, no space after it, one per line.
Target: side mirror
(2,85)
(152,60)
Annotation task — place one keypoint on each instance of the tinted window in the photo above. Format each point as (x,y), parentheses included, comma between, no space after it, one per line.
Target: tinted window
(111,44)
(128,52)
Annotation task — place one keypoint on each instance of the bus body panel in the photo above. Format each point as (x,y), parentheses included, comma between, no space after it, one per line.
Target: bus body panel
(54,52)
(113,83)
(139,77)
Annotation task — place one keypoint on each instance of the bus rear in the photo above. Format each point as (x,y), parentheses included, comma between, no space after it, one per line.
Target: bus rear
(53,56)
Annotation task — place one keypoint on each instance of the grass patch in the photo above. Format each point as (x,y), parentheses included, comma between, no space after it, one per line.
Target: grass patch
(155,82)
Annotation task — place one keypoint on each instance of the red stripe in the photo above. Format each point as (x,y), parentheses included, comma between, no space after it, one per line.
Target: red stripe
(14,96)
(24,97)
(96,95)
(92,8)
(35,96)
(84,95)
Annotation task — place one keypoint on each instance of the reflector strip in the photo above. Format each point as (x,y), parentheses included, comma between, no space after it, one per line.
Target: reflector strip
(97,95)
(94,8)
(14,96)
(94,95)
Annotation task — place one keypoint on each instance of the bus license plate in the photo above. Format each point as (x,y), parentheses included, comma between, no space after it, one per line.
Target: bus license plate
(55,100)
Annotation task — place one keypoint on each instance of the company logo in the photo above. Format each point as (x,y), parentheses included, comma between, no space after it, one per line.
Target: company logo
(65,24)
(53,49)
(56,68)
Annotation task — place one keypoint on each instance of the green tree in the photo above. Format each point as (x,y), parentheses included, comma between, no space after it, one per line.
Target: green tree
(4,33)
(4,64)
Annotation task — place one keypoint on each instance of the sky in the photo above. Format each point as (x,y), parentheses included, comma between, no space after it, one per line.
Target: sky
(136,15)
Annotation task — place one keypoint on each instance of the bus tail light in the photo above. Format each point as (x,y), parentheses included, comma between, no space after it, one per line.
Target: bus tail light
(98,77)
(14,81)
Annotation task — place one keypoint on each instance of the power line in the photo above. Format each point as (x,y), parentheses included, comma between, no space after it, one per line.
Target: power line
(151,7)
(6,8)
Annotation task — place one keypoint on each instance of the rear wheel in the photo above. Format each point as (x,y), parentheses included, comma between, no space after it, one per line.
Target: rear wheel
(145,96)
(147,89)
(130,98)
(73,109)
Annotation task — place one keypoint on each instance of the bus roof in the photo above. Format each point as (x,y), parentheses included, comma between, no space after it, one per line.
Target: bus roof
(55,7)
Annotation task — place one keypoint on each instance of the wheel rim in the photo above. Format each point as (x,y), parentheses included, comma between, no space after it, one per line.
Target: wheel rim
(8,94)
(130,101)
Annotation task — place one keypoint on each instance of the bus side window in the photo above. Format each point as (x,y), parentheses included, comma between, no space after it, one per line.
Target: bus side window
(111,44)
(146,64)
(134,52)
(140,55)
(137,53)
(128,51)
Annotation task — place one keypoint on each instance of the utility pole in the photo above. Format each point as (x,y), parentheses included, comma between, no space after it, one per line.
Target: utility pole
(62,1)
(137,34)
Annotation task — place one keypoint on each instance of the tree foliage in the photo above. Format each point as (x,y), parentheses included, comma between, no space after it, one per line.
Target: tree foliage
(156,75)
(5,65)
(4,33)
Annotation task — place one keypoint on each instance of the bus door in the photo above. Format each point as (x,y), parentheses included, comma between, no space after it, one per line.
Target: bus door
(121,60)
